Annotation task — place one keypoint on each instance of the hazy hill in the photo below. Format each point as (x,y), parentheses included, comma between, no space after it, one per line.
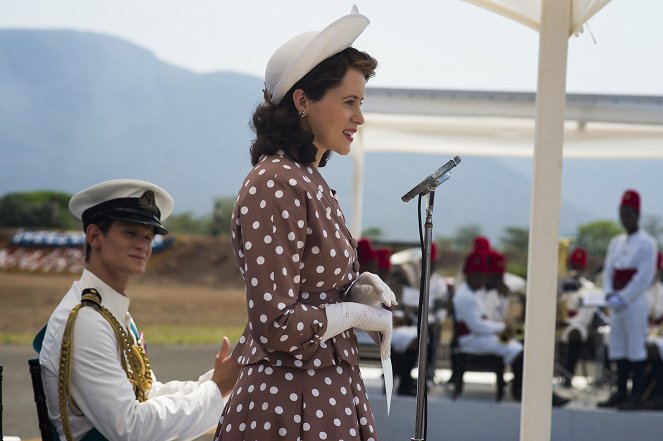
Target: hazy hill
(77,108)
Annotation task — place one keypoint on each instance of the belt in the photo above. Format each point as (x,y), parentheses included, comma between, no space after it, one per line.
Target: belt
(621,277)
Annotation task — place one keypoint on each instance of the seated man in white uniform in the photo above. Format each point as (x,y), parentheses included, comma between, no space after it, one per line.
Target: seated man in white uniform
(477,334)
(98,381)
(404,340)
(579,314)
(495,296)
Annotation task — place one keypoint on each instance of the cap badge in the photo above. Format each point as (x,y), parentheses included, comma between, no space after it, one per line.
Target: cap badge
(148,202)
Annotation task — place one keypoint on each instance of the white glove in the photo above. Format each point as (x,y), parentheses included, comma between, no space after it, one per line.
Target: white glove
(345,315)
(370,289)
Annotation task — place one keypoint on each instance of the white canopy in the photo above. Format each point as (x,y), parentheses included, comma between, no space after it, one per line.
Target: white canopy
(555,20)
(528,12)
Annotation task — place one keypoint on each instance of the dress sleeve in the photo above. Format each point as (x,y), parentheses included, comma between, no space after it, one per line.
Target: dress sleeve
(273,222)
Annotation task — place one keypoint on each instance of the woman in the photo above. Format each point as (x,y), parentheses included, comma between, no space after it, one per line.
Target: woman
(300,378)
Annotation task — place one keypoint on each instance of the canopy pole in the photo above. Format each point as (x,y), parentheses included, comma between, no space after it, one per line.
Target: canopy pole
(542,263)
(357,185)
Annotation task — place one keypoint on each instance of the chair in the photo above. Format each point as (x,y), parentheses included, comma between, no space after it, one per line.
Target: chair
(40,400)
(462,362)
(1,368)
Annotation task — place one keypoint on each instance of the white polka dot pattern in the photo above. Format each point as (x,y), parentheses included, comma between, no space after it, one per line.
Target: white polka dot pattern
(296,255)
(297,412)
(290,260)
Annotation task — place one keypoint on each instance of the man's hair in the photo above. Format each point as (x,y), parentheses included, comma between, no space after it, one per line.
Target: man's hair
(279,127)
(104,224)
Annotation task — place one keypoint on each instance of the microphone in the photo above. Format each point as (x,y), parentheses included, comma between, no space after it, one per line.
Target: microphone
(425,186)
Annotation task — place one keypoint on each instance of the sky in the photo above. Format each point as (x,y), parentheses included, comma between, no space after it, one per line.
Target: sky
(427,44)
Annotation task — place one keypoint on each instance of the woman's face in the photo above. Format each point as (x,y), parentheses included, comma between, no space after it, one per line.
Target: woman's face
(334,119)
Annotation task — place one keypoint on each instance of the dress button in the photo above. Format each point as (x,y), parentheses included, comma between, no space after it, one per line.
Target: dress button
(355,266)
(353,242)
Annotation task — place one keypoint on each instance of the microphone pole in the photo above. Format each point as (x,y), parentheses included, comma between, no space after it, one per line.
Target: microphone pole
(426,187)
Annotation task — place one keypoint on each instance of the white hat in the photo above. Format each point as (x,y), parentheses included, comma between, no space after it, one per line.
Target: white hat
(128,200)
(300,54)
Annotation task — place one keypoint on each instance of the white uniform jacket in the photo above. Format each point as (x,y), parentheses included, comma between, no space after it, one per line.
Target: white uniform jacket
(99,386)
(635,251)
(482,337)
(628,327)
(581,315)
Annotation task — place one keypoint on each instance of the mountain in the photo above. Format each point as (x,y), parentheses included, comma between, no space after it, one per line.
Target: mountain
(77,108)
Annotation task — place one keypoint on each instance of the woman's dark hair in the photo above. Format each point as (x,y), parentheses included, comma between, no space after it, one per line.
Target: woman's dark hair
(279,127)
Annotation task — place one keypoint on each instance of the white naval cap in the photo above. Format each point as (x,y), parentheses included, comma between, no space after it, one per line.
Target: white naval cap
(128,200)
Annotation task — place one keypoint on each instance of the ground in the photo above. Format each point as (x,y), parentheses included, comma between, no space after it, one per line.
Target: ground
(195,283)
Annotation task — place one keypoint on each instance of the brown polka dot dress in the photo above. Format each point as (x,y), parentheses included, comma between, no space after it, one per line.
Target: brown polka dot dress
(296,255)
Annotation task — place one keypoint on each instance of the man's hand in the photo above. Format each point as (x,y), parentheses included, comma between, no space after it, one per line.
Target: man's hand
(226,370)
(616,302)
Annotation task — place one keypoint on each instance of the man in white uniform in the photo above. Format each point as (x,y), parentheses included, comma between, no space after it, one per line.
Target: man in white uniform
(628,273)
(476,333)
(98,381)
(495,296)
(579,315)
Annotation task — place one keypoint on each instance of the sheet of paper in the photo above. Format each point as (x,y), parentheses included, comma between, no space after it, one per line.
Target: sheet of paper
(388,381)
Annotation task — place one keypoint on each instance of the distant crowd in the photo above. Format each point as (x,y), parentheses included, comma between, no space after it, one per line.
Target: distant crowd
(52,251)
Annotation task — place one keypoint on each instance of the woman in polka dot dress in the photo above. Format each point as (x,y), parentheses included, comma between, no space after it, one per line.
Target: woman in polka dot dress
(300,378)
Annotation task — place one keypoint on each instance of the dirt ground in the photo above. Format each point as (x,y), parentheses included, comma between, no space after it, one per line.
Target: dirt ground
(195,282)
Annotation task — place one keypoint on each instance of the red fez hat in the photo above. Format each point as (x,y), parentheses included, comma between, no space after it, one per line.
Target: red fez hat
(481,244)
(496,262)
(433,252)
(383,255)
(631,198)
(365,251)
(475,263)
(578,257)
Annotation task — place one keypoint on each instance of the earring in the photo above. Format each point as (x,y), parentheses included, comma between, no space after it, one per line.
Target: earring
(303,114)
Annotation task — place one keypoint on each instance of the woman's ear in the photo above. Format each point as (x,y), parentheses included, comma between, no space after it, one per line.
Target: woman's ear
(300,100)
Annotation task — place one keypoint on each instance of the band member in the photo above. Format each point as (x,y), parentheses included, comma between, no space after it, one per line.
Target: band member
(628,273)
(578,316)
(98,381)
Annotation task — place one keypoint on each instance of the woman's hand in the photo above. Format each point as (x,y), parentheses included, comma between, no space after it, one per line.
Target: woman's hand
(371,290)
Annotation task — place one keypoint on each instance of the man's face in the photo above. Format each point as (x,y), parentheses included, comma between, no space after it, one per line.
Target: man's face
(629,218)
(125,249)
(475,280)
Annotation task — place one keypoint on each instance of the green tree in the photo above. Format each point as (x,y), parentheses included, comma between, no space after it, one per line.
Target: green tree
(654,226)
(463,238)
(372,233)
(220,222)
(594,237)
(514,243)
(37,209)
(186,223)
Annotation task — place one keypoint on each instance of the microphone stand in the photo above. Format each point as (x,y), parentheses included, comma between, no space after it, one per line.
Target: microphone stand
(426,188)
(422,391)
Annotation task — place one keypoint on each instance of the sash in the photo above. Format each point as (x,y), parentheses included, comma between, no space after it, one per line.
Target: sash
(621,277)
(462,329)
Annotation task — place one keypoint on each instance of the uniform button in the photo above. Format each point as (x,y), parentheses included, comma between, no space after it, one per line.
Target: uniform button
(355,266)
(353,242)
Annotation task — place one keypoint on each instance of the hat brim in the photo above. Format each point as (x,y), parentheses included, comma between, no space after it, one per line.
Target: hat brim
(137,219)
(331,40)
